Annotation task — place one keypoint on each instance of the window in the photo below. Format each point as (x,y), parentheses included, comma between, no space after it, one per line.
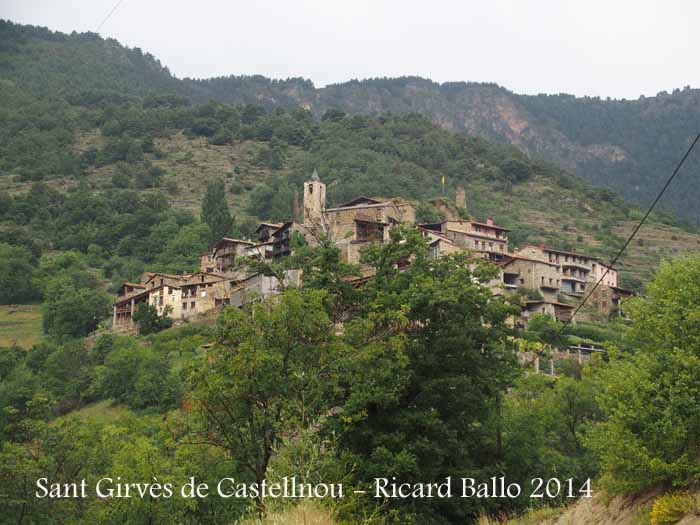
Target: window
(184,306)
(160,301)
(170,291)
(368,231)
(192,304)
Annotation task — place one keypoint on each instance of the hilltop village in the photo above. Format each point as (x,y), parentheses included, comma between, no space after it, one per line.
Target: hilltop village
(551,281)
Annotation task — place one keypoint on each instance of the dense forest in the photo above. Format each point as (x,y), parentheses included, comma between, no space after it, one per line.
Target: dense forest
(102,154)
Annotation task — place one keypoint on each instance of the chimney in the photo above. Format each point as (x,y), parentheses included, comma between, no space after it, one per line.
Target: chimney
(489,221)
(542,245)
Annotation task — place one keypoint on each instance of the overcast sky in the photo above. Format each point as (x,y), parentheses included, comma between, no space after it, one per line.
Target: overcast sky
(616,48)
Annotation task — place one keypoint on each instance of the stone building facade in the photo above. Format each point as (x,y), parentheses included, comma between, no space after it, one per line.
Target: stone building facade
(559,277)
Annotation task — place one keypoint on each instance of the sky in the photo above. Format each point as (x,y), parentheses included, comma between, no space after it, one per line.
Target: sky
(613,48)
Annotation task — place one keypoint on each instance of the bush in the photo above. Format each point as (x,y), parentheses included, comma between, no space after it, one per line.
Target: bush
(670,508)
(138,376)
(427,213)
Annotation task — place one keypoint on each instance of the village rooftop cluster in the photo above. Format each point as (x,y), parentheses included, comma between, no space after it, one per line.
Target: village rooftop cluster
(555,281)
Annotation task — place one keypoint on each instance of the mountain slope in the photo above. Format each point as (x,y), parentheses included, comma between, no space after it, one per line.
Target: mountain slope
(143,135)
(398,156)
(627,145)
(75,66)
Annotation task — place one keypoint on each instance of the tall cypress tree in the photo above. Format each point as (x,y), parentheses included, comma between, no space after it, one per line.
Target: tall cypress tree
(215,212)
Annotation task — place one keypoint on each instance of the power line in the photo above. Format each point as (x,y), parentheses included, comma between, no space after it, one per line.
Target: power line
(629,240)
(108,16)
(636,229)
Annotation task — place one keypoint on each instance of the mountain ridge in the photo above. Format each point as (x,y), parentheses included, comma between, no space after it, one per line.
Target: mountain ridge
(627,145)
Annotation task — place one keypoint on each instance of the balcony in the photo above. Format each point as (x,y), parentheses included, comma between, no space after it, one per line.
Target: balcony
(579,265)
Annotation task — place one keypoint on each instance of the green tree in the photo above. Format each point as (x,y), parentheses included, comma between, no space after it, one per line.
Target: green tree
(651,429)
(150,322)
(72,312)
(215,212)
(546,330)
(16,269)
(544,421)
(138,376)
(420,409)
(427,213)
(271,372)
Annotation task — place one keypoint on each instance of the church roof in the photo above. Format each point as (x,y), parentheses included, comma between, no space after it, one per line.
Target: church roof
(314,176)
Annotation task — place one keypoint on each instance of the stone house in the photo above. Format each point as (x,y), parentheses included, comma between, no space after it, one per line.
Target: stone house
(483,237)
(606,300)
(439,244)
(599,271)
(354,223)
(187,296)
(554,309)
(227,251)
(260,287)
(265,230)
(282,238)
(576,268)
(533,274)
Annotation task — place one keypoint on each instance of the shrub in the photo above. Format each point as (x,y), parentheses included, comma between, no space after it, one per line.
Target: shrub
(670,508)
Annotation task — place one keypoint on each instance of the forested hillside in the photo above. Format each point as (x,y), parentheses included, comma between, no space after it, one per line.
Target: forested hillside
(115,127)
(628,145)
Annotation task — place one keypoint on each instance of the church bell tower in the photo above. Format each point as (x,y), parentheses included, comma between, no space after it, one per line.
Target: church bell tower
(314,200)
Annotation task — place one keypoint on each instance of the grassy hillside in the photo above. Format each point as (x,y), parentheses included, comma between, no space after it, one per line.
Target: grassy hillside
(20,325)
